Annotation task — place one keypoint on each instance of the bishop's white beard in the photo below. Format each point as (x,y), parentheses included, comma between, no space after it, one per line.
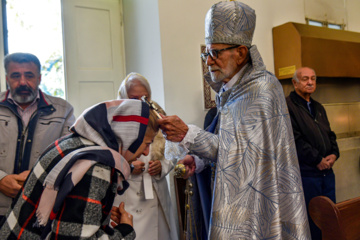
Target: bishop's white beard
(217,76)
(219,73)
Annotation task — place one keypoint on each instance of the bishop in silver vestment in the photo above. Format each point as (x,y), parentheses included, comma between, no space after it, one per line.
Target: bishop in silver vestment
(257,192)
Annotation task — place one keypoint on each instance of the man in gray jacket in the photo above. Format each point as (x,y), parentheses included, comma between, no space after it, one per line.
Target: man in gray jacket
(29,121)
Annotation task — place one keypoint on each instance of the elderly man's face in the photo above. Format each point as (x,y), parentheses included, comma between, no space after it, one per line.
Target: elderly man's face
(225,66)
(23,80)
(307,82)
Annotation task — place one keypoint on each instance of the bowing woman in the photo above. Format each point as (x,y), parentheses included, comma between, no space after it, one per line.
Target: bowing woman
(70,191)
(148,198)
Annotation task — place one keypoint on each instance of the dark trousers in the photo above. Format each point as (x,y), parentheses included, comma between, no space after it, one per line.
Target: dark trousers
(318,186)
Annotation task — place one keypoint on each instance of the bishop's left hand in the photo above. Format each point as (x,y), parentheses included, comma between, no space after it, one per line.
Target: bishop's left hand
(190,166)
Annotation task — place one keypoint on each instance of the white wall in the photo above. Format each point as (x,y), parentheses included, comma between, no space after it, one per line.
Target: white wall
(182,33)
(353,16)
(143,44)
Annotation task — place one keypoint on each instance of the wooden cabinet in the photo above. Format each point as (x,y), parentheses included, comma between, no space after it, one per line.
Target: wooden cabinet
(330,52)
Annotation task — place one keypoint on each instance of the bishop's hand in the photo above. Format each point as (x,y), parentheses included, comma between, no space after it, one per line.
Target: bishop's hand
(173,127)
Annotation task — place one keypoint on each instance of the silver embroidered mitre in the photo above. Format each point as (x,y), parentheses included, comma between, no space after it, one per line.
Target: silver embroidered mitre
(230,23)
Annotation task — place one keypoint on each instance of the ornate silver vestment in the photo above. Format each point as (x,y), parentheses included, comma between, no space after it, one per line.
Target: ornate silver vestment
(258,191)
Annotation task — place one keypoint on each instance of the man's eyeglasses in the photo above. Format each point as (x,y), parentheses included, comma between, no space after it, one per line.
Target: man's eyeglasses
(214,53)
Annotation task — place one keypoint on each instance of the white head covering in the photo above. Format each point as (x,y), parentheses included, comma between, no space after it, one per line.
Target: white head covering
(230,23)
(127,82)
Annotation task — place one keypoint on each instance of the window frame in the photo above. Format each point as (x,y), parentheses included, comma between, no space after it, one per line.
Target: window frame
(325,24)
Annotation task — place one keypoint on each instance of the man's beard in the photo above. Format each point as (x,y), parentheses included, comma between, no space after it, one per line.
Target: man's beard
(20,97)
(217,76)
(220,74)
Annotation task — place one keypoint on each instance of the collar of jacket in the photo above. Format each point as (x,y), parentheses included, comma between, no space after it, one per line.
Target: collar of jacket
(44,106)
(298,100)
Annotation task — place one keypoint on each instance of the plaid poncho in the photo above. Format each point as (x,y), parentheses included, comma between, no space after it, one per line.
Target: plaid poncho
(70,190)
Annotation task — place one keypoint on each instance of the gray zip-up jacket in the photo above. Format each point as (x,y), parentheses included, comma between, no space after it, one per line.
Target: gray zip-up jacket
(21,146)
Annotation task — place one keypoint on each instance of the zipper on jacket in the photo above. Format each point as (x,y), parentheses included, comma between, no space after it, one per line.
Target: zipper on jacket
(21,150)
(316,122)
(322,138)
(22,142)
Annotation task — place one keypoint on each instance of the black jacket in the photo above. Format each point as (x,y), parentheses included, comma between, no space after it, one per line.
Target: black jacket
(313,136)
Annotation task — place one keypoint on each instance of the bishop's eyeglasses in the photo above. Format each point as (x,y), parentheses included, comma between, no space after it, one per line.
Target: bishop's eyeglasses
(214,53)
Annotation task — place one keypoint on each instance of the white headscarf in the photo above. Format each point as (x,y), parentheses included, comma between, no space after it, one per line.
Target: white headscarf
(126,85)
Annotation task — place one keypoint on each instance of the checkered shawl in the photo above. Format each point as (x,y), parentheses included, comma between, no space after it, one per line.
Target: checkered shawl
(69,192)
(85,210)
